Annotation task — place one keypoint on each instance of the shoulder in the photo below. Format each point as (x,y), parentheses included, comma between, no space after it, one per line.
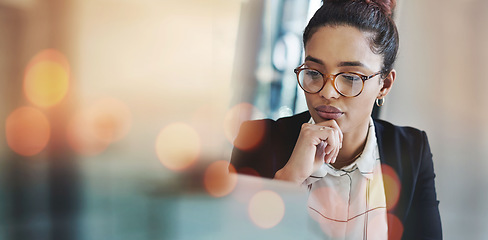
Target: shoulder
(387,130)
(399,145)
(406,150)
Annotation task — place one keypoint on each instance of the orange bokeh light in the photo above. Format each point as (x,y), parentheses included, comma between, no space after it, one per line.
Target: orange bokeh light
(27,130)
(94,128)
(266,209)
(46,79)
(178,146)
(395,227)
(50,54)
(232,122)
(392,186)
(220,178)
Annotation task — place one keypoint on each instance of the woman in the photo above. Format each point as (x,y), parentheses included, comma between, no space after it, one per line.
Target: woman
(368,179)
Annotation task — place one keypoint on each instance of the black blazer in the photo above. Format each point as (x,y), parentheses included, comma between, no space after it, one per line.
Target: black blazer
(403,150)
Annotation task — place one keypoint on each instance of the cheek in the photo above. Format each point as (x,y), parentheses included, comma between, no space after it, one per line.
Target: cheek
(309,98)
(370,92)
(365,103)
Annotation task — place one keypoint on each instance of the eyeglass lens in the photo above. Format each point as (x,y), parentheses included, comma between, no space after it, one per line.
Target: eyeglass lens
(348,84)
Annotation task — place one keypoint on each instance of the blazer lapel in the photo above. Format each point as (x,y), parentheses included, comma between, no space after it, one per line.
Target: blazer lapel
(392,165)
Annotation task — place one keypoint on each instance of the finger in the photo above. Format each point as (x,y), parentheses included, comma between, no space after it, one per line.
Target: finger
(339,139)
(336,153)
(314,134)
(329,148)
(330,157)
(327,158)
(327,133)
(332,149)
(331,124)
(336,126)
(333,137)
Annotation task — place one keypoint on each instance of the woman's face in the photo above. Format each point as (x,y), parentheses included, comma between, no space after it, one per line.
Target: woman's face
(331,50)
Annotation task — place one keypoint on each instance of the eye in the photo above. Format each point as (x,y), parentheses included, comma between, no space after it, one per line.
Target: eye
(313,74)
(349,77)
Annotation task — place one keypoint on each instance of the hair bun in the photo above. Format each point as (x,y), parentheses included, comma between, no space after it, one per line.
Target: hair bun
(386,6)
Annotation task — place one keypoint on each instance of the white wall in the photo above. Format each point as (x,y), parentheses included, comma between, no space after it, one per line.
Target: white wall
(441,88)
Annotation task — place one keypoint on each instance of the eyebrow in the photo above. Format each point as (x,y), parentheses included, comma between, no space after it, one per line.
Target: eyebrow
(351,64)
(341,64)
(312,59)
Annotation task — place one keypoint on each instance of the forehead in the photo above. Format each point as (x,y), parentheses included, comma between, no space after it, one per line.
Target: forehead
(336,44)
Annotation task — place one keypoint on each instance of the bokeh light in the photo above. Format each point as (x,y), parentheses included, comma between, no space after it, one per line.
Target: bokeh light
(266,209)
(94,128)
(392,186)
(233,120)
(27,130)
(220,178)
(46,79)
(395,227)
(178,146)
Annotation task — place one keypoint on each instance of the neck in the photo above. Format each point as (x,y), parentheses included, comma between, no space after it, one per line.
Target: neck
(353,145)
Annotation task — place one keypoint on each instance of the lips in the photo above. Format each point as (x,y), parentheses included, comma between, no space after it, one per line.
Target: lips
(328,112)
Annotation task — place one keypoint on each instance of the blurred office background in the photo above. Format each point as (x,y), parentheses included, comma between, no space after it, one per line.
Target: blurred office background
(111,110)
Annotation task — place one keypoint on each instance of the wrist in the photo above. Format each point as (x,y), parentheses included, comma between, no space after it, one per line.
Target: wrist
(285,175)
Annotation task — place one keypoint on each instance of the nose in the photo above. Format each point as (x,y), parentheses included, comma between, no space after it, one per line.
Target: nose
(328,91)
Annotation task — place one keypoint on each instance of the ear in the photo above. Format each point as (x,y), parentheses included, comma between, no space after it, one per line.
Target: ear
(387,84)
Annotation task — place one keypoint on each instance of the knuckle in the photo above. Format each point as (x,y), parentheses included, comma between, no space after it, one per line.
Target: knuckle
(305,125)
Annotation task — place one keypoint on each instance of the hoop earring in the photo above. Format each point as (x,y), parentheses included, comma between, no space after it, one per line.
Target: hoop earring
(380,101)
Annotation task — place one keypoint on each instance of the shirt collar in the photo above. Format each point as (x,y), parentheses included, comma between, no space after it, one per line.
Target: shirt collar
(367,160)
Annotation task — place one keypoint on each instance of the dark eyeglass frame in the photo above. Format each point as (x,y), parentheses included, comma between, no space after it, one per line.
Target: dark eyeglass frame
(334,76)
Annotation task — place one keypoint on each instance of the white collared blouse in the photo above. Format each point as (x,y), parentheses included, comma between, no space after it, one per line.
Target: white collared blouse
(350,203)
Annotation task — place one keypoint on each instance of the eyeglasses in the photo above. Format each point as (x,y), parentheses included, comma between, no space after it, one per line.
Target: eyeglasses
(347,84)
